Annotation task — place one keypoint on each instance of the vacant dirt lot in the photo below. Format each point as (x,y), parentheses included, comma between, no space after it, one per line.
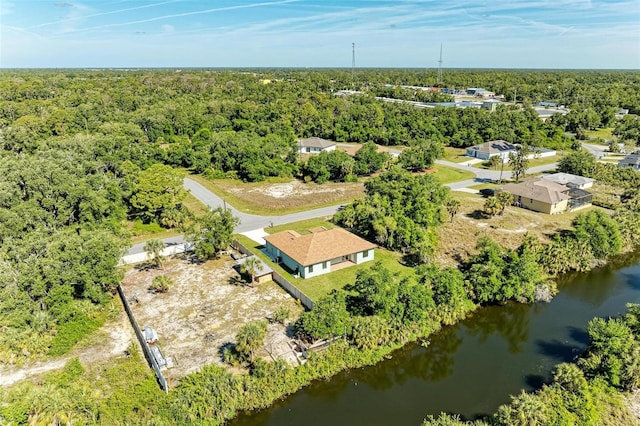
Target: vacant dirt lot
(292,194)
(203,311)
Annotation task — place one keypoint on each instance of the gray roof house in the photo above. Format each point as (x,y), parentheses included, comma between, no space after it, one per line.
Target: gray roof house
(490,149)
(631,160)
(572,181)
(315,145)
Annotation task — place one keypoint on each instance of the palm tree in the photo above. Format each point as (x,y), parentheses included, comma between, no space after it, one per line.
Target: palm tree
(251,267)
(154,249)
(495,161)
(506,199)
(492,206)
(452,206)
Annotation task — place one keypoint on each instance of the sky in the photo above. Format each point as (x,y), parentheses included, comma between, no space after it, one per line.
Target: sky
(319,33)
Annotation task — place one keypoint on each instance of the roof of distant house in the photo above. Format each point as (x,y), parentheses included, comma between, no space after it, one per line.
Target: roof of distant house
(315,142)
(568,179)
(496,146)
(318,246)
(630,160)
(541,190)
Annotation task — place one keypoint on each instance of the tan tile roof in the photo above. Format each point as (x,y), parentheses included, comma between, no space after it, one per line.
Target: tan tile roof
(318,246)
(541,190)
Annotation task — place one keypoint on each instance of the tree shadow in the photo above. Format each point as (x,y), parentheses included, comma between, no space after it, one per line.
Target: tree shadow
(535,381)
(238,281)
(146,266)
(560,351)
(579,335)
(478,215)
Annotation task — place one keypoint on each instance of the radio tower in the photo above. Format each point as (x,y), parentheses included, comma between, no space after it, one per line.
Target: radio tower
(440,67)
(353,62)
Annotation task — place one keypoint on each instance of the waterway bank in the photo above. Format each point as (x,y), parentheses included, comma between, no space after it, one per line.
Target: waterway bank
(470,368)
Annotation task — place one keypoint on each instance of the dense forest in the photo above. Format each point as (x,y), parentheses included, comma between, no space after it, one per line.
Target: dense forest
(83,152)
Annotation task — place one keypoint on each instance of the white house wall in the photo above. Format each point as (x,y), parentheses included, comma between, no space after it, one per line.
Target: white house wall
(360,256)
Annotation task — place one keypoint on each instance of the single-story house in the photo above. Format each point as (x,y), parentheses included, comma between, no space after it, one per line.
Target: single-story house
(319,252)
(631,160)
(491,104)
(315,145)
(503,149)
(546,196)
(490,149)
(480,92)
(545,113)
(263,272)
(572,181)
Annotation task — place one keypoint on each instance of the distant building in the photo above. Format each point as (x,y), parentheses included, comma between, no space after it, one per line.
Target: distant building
(569,180)
(547,104)
(315,145)
(490,149)
(631,160)
(491,104)
(503,149)
(480,92)
(545,113)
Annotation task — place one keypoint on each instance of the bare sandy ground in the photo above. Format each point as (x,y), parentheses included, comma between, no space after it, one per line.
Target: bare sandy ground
(203,311)
(111,341)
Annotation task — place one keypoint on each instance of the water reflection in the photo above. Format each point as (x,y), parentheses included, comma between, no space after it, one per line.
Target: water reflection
(415,362)
(510,321)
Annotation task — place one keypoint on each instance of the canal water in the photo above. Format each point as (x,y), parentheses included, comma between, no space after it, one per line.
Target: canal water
(470,368)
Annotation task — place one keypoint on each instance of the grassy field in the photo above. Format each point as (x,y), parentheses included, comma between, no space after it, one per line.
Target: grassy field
(459,238)
(317,287)
(302,227)
(448,174)
(532,163)
(604,133)
(455,155)
(279,197)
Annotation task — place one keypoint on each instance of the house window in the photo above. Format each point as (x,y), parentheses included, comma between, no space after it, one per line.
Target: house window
(324,265)
(311,269)
(365,253)
(308,149)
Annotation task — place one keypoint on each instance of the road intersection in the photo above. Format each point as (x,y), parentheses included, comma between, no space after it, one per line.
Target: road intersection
(253,224)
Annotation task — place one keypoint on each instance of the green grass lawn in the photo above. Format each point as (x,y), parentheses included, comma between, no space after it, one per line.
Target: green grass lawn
(448,174)
(317,287)
(532,163)
(301,227)
(455,155)
(604,133)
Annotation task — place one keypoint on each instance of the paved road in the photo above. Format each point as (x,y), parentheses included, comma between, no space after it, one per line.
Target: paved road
(598,151)
(248,222)
(484,175)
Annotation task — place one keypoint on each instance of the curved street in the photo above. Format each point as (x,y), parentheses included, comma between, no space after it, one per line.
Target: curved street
(250,222)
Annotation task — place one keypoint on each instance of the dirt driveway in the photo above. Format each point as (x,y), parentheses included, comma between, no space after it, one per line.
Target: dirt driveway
(204,309)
